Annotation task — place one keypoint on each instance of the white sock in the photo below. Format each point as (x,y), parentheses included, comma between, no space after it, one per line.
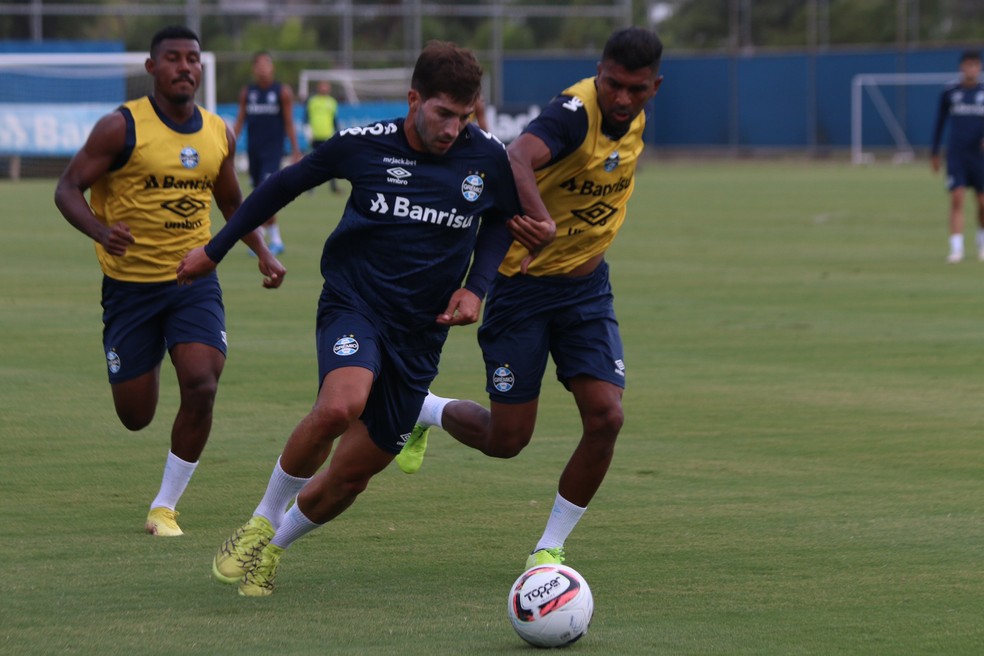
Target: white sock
(177,473)
(563,519)
(956,243)
(280,490)
(295,525)
(273,232)
(431,413)
(980,238)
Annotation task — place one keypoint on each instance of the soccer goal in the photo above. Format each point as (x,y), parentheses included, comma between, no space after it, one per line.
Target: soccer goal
(358,86)
(50,102)
(924,88)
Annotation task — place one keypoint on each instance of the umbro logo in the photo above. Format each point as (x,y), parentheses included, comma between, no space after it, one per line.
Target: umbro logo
(398,175)
(573,104)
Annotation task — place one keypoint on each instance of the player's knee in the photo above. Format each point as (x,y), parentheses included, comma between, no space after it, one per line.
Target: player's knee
(333,417)
(508,445)
(199,393)
(134,419)
(604,425)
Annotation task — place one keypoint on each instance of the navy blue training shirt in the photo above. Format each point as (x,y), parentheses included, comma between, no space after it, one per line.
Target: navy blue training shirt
(410,225)
(264,122)
(964,106)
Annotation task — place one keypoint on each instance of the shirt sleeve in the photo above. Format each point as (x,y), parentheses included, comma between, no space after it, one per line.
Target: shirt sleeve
(941,115)
(562,126)
(494,238)
(278,190)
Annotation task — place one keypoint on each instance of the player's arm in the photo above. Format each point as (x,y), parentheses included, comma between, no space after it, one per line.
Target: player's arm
(266,200)
(490,247)
(537,229)
(287,103)
(941,115)
(237,128)
(105,144)
(228,197)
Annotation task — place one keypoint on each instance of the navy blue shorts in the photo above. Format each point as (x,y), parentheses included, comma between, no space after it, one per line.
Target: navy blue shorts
(141,321)
(965,170)
(401,374)
(261,168)
(528,317)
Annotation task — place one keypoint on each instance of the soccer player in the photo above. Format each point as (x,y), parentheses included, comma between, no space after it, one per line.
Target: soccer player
(322,118)
(266,109)
(963,104)
(421,186)
(576,164)
(153,166)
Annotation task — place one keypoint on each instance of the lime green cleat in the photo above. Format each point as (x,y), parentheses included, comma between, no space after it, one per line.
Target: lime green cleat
(258,582)
(238,554)
(163,522)
(412,456)
(551,556)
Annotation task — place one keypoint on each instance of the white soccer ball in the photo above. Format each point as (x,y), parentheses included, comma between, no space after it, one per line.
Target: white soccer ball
(550,606)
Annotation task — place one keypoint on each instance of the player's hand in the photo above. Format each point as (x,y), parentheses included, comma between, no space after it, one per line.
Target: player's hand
(194,265)
(934,162)
(463,309)
(117,238)
(273,271)
(534,234)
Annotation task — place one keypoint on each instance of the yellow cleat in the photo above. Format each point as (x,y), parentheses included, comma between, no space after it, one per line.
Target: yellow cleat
(412,456)
(258,582)
(239,552)
(163,522)
(552,556)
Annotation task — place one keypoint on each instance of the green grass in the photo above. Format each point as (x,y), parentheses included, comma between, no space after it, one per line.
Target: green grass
(800,470)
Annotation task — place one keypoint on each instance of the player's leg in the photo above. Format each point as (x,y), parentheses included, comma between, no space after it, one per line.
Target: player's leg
(134,345)
(956,225)
(341,400)
(980,226)
(515,346)
(348,361)
(194,327)
(327,495)
(270,226)
(956,183)
(135,400)
(366,448)
(587,347)
(600,406)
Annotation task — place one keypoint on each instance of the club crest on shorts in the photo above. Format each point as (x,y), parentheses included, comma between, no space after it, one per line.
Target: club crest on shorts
(346,346)
(189,158)
(503,379)
(113,361)
(472,187)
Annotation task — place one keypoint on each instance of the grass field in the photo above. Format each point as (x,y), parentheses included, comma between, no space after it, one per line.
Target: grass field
(800,470)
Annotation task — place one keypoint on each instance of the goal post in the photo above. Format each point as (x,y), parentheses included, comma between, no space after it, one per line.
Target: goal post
(870,85)
(355,86)
(49,102)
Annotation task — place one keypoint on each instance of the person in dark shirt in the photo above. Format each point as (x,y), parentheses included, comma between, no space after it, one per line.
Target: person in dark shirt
(963,105)
(266,110)
(575,164)
(428,191)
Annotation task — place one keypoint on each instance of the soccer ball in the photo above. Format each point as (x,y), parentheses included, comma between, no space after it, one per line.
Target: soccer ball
(550,606)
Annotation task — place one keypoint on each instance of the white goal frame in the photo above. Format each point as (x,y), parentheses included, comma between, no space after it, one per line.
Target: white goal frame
(871,82)
(22,60)
(348,79)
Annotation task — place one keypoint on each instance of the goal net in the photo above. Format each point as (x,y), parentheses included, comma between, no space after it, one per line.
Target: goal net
(358,86)
(894,113)
(50,102)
